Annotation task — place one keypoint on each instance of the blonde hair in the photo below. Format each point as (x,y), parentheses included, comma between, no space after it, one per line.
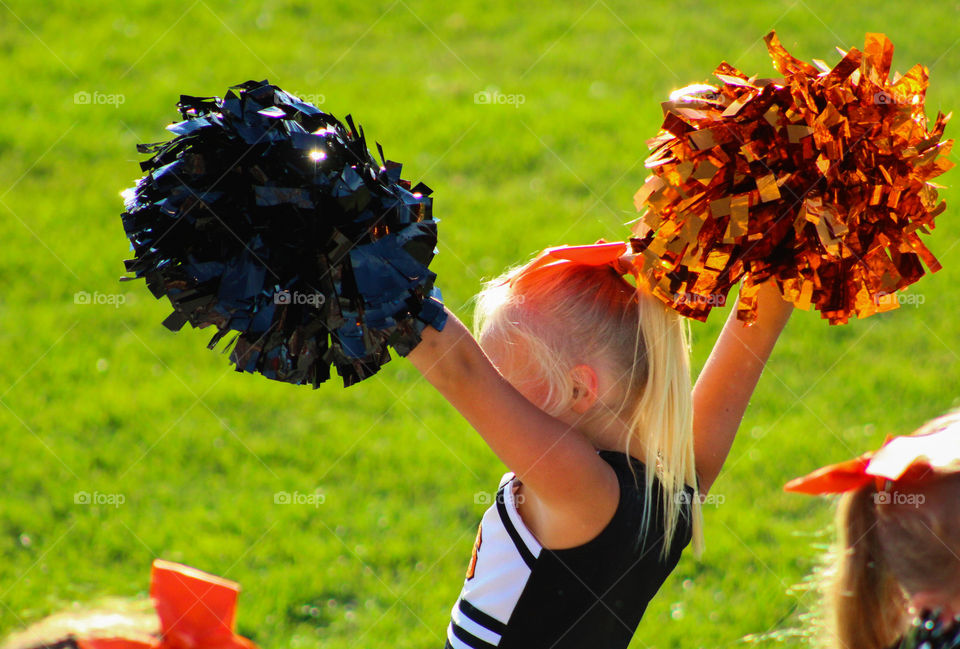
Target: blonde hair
(113,618)
(888,549)
(592,315)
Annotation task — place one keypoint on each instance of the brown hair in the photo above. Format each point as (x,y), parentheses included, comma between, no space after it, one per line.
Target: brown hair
(865,605)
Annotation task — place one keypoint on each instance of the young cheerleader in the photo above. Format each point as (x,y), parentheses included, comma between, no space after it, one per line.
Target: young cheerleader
(579,381)
(898,547)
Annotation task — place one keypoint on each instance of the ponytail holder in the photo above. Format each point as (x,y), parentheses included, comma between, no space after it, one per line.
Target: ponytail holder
(553,260)
(196,611)
(908,458)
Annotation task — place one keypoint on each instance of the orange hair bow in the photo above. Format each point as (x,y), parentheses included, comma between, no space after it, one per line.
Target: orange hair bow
(196,611)
(909,458)
(601,253)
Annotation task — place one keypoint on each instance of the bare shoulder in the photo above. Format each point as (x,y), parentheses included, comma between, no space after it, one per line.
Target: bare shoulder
(574,521)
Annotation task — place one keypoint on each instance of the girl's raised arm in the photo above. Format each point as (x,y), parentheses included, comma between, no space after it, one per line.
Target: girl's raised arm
(723,389)
(552,459)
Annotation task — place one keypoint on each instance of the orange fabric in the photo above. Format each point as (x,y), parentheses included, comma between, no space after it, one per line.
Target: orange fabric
(196,611)
(904,459)
(550,260)
(836,478)
(476,548)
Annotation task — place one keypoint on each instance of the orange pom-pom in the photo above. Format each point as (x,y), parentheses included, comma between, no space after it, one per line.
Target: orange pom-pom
(820,179)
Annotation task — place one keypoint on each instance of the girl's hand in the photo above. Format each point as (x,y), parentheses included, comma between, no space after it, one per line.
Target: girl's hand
(626,262)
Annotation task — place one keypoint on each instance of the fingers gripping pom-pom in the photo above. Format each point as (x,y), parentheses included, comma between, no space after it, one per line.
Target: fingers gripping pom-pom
(270,218)
(820,179)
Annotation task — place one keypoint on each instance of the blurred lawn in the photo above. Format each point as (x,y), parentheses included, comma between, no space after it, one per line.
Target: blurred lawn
(102,399)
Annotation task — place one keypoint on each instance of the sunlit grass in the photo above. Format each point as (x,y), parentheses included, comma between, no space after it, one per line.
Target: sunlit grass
(101,399)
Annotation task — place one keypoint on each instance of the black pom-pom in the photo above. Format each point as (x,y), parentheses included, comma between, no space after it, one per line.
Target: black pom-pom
(928,632)
(267,217)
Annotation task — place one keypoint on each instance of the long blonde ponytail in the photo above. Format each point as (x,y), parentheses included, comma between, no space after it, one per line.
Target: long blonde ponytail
(663,415)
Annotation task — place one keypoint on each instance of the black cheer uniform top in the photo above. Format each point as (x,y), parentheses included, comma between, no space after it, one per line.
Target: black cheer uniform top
(519,595)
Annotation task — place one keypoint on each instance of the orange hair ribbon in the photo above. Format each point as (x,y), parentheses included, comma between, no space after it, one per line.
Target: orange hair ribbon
(553,259)
(908,458)
(196,611)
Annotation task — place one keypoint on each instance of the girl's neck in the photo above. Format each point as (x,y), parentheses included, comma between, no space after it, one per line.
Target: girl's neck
(611,435)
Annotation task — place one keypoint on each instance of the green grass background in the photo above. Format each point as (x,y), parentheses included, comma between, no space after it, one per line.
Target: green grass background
(104,399)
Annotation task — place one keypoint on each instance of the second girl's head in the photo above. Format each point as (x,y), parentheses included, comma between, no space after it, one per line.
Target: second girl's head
(897,554)
(589,348)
